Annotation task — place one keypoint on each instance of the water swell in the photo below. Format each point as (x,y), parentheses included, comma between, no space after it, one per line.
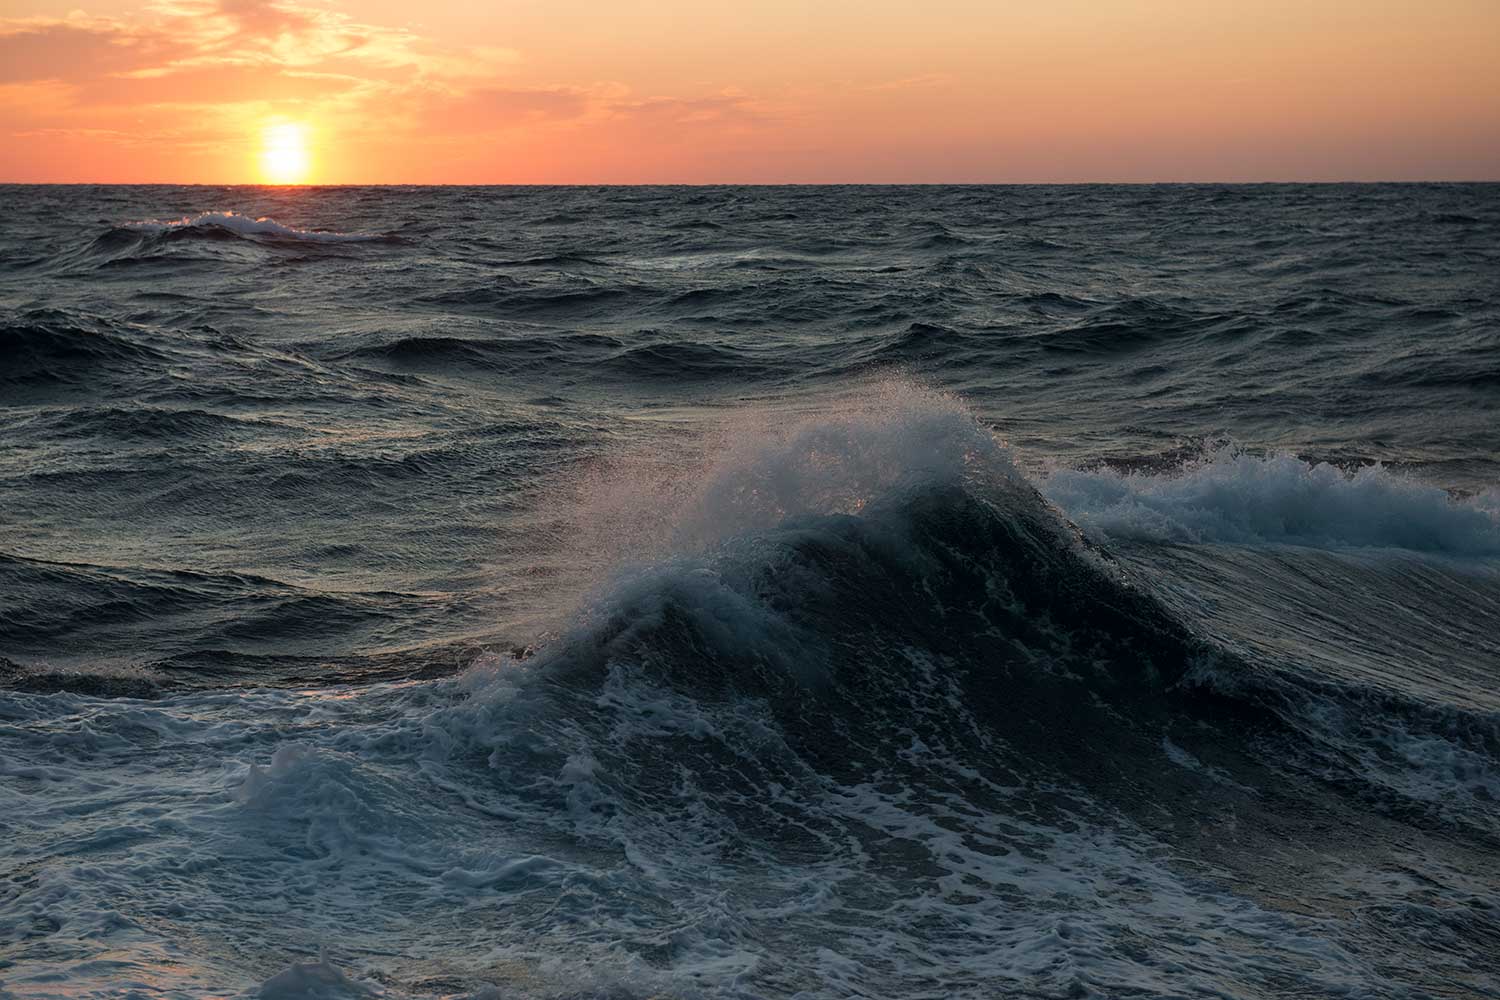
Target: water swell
(75,611)
(442,352)
(669,361)
(1431,763)
(653,358)
(196,244)
(145,424)
(44,346)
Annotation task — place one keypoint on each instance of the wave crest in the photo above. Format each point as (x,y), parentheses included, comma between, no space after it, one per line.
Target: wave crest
(244,225)
(829,553)
(1234,497)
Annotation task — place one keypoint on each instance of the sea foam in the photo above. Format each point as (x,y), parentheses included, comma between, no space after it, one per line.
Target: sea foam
(1234,497)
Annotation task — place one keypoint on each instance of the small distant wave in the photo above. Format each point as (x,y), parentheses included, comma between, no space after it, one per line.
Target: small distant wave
(922,340)
(435,352)
(100,681)
(244,225)
(50,345)
(1473,365)
(443,352)
(686,360)
(1128,326)
(942,238)
(144,423)
(512,298)
(1048,302)
(1234,497)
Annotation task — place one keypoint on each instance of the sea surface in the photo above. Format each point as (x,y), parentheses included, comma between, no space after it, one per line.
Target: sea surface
(930,592)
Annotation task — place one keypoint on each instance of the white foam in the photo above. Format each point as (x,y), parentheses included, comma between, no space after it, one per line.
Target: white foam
(763,466)
(247,226)
(1234,497)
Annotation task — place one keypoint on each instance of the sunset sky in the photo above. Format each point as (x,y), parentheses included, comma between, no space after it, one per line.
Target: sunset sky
(542,91)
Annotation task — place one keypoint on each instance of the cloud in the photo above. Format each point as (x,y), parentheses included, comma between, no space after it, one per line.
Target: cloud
(715,109)
(189,34)
(492,103)
(80,49)
(605,106)
(212,53)
(263,19)
(924,82)
(190,74)
(223,83)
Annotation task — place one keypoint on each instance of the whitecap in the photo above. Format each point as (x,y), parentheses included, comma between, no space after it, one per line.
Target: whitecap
(244,225)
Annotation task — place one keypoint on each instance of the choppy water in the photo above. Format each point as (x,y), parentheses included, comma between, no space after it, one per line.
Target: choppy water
(779,592)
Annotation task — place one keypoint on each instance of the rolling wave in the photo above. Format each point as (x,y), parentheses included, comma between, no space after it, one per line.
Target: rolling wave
(42,346)
(232,223)
(1234,497)
(890,568)
(145,423)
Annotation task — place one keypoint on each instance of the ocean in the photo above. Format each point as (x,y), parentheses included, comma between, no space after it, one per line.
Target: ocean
(898,592)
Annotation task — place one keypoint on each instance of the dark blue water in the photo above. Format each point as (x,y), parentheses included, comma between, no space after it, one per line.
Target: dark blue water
(750,592)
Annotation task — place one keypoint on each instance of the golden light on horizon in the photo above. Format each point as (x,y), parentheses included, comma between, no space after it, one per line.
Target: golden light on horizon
(284,157)
(377,91)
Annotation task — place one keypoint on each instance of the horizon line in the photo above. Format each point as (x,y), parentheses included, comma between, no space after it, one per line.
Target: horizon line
(709,184)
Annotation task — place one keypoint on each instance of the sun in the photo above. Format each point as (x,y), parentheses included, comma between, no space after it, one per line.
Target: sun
(283,153)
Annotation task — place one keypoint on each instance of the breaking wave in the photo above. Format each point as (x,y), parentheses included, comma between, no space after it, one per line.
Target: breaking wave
(888,571)
(244,225)
(1235,497)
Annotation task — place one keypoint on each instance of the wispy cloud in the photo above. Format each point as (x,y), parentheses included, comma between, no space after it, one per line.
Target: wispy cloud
(727,108)
(229,63)
(926,81)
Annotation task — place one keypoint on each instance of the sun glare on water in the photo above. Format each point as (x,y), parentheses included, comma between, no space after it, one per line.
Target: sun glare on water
(283,154)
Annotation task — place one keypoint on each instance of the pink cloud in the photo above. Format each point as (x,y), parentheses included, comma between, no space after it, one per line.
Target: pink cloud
(73,50)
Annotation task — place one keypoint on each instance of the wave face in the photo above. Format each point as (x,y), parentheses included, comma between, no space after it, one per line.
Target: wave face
(438,593)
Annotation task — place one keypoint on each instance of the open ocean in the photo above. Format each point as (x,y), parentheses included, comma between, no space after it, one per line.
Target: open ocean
(932,592)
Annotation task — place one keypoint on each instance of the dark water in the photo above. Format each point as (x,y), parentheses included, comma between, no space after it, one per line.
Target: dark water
(750,592)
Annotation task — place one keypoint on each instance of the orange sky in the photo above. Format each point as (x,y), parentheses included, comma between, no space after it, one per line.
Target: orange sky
(543,91)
